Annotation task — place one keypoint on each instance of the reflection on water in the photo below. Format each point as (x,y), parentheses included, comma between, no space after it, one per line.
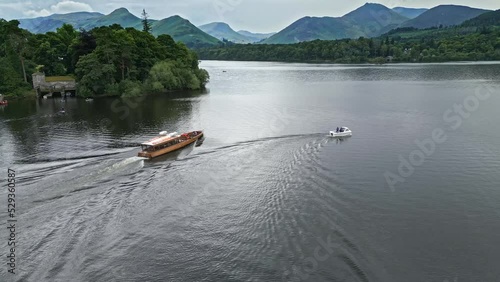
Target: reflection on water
(268,196)
(90,128)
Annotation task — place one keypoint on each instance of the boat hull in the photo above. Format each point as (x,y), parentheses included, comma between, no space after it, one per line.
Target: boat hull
(157,153)
(340,134)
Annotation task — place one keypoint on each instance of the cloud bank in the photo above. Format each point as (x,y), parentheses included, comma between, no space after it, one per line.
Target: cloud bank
(63,7)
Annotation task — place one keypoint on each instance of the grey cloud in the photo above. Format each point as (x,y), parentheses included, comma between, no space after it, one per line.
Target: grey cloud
(253,15)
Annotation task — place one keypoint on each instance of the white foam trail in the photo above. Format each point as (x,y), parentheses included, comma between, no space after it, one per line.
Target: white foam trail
(124,165)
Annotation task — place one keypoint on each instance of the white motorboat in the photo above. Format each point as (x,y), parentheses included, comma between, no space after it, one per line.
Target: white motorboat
(342,132)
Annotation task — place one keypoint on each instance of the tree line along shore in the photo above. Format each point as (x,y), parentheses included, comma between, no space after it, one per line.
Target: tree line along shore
(405,45)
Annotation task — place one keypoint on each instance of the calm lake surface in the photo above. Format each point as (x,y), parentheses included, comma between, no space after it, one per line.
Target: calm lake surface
(268,196)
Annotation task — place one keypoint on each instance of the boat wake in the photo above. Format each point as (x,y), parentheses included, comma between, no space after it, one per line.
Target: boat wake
(62,179)
(94,155)
(210,150)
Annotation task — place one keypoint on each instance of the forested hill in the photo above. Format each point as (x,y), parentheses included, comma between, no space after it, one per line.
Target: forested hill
(105,60)
(452,44)
(444,15)
(486,19)
(367,21)
(477,39)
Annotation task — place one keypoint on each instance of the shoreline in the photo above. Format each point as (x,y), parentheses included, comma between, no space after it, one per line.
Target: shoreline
(492,62)
(170,92)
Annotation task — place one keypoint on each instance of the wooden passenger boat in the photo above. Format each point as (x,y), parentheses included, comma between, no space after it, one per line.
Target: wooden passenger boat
(166,143)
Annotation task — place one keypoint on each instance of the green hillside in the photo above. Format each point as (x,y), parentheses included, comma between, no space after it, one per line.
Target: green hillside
(177,27)
(182,30)
(410,13)
(486,19)
(119,16)
(222,31)
(484,23)
(444,15)
(311,28)
(367,21)
(372,19)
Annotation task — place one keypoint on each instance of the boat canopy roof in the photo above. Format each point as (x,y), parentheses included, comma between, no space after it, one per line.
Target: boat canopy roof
(158,140)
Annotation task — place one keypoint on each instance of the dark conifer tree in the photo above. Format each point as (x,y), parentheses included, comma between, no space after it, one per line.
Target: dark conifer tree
(146,25)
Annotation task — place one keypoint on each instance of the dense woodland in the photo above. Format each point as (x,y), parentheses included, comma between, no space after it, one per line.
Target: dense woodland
(105,60)
(404,45)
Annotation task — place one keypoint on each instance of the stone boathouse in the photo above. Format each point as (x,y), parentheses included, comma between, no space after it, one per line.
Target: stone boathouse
(49,85)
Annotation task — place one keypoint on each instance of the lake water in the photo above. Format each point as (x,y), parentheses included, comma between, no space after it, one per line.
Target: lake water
(413,195)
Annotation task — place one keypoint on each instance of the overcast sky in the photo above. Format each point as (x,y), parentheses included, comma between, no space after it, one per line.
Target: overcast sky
(253,15)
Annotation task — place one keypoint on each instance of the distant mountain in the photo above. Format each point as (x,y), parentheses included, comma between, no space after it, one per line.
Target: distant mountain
(52,22)
(312,28)
(486,19)
(445,15)
(182,30)
(119,16)
(224,31)
(410,13)
(368,21)
(256,37)
(373,19)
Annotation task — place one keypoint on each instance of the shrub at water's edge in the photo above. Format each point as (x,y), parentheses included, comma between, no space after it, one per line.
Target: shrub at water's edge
(173,75)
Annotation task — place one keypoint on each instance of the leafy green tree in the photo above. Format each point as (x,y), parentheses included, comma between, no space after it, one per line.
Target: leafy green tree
(65,38)
(84,44)
(48,57)
(93,75)
(18,40)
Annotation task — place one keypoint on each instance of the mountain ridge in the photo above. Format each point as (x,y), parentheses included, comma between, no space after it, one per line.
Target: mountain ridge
(183,30)
(445,15)
(179,28)
(410,13)
(366,21)
(369,20)
(42,24)
(221,31)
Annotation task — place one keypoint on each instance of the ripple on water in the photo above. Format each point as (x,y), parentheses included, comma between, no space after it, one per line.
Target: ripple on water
(274,217)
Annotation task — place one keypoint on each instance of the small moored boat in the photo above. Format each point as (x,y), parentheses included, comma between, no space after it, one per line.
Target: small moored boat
(168,142)
(2,101)
(341,132)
